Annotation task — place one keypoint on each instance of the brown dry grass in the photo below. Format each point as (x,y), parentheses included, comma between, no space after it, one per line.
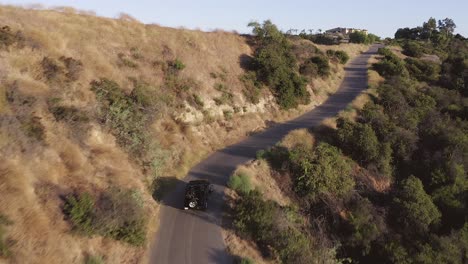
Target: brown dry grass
(298,137)
(259,173)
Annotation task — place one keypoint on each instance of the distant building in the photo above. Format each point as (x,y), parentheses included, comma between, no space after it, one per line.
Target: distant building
(345,31)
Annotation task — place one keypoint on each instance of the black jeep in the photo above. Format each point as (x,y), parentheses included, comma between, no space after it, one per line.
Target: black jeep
(196,194)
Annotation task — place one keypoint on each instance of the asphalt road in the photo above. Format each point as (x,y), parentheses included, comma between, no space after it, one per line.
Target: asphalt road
(193,237)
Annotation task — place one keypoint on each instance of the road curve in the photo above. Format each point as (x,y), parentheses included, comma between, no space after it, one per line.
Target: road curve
(192,237)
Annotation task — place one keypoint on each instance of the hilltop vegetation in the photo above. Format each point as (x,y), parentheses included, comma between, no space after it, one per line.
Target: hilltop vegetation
(388,185)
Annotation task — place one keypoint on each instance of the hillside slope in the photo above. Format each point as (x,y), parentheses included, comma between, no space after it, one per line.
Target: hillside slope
(106,106)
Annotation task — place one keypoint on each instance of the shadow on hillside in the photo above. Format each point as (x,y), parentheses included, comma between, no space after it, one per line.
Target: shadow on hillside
(246,62)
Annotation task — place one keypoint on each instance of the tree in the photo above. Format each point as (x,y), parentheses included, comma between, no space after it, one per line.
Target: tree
(447,26)
(276,65)
(416,211)
(429,27)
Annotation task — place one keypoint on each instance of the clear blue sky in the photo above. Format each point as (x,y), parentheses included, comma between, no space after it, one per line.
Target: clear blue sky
(379,17)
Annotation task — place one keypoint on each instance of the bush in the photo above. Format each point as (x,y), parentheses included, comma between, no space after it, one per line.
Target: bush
(385,52)
(9,38)
(268,225)
(246,261)
(339,55)
(117,214)
(252,87)
(412,49)
(359,140)
(323,65)
(364,225)
(33,128)
(322,171)
(240,183)
(124,115)
(51,68)
(342,56)
(4,250)
(197,101)
(69,114)
(253,217)
(177,65)
(174,67)
(73,67)
(425,71)
(309,69)
(390,65)
(80,209)
(359,37)
(94,260)
(124,61)
(415,209)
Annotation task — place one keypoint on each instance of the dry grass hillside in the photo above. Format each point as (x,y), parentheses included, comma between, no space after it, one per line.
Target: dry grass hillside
(104,106)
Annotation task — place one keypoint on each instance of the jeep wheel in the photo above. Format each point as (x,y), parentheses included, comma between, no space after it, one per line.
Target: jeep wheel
(192,204)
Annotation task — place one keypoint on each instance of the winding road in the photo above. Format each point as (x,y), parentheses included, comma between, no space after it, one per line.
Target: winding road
(193,237)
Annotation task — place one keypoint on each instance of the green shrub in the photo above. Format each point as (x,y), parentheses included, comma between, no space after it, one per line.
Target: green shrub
(198,101)
(339,55)
(33,128)
(63,69)
(136,53)
(124,115)
(414,207)
(9,38)
(69,114)
(124,61)
(385,52)
(322,171)
(240,183)
(359,37)
(116,214)
(225,98)
(174,67)
(246,261)
(268,225)
(73,67)
(4,250)
(80,210)
(425,71)
(413,49)
(261,154)
(177,65)
(359,140)
(51,68)
(390,65)
(94,260)
(227,114)
(309,69)
(342,56)
(252,87)
(292,246)
(364,224)
(254,217)
(323,66)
